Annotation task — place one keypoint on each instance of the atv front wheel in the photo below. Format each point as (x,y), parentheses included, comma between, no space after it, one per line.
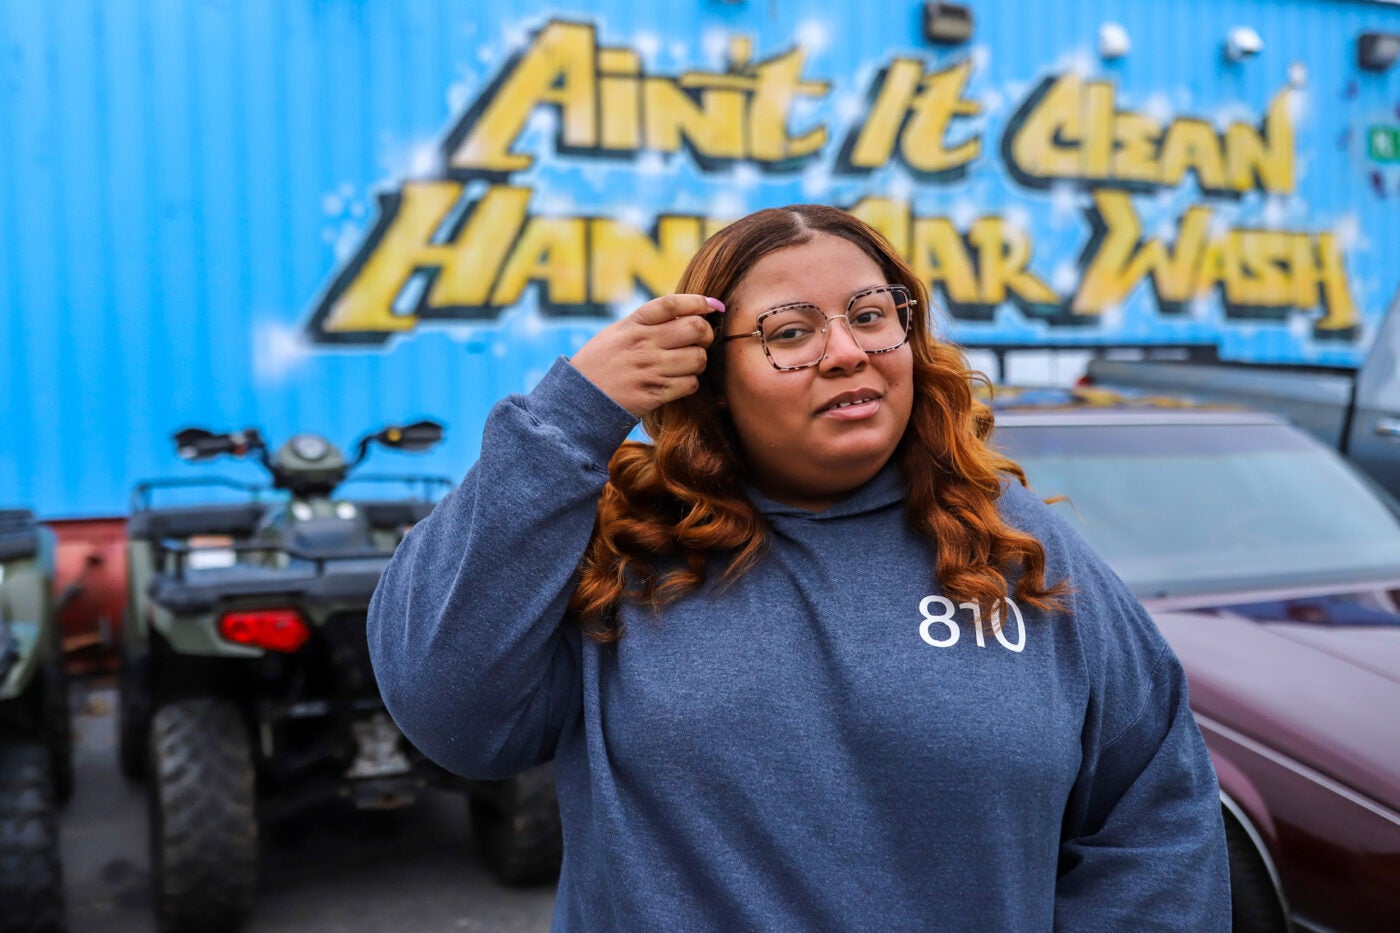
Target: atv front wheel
(31,872)
(515,827)
(203,819)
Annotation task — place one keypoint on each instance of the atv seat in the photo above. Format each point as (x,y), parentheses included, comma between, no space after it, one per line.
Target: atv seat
(19,534)
(239,521)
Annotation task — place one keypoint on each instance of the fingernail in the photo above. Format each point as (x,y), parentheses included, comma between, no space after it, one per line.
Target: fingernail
(715,303)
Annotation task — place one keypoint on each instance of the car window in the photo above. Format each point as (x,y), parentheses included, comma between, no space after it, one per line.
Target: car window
(1181,509)
(1378,385)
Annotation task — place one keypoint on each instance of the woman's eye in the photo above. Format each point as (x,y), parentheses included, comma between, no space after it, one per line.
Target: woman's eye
(789,332)
(868,317)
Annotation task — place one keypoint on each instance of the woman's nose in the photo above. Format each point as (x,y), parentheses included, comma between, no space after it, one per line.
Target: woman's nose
(843,354)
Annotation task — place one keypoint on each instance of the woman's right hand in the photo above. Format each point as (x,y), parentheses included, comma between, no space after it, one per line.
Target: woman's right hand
(652,356)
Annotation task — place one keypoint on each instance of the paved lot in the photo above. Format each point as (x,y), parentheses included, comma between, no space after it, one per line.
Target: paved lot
(331,870)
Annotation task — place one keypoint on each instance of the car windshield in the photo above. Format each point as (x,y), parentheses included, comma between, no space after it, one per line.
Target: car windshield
(1184,509)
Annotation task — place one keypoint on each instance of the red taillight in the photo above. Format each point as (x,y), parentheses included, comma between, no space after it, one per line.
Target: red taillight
(273,629)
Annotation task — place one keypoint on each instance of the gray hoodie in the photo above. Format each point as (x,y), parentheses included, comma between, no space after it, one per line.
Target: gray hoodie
(827,744)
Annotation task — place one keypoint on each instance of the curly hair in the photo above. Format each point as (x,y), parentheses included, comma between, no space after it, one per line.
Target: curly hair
(681,498)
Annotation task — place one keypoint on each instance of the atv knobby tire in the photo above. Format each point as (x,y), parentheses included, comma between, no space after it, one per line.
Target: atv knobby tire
(58,727)
(31,872)
(203,817)
(515,827)
(133,714)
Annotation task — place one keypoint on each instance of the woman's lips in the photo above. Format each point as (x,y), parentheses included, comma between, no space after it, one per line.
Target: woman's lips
(854,411)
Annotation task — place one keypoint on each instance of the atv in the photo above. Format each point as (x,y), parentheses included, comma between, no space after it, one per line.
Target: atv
(36,743)
(246,691)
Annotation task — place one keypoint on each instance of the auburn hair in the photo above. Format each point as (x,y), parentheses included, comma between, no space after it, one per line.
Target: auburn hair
(681,499)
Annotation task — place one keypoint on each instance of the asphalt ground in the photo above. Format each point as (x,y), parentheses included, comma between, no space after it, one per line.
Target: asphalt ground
(329,870)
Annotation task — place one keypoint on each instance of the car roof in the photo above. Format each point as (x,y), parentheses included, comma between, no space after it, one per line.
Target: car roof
(1094,405)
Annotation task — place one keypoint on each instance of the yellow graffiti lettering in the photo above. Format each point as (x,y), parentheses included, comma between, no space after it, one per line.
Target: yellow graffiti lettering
(1321,279)
(405,242)
(712,121)
(940,258)
(1262,257)
(623,257)
(1191,145)
(1097,157)
(777,83)
(607,105)
(469,260)
(1135,152)
(620,100)
(892,218)
(1254,270)
(1070,129)
(914,111)
(983,270)
(1032,145)
(1122,260)
(558,68)
(1003,252)
(1267,159)
(550,251)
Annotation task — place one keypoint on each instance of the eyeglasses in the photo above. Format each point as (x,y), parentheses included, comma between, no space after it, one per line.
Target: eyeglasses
(794,336)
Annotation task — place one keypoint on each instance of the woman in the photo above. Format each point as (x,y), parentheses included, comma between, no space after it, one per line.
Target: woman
(814,659)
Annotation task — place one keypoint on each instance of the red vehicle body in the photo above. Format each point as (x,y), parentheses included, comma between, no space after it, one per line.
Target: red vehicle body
(90,590)
(1303,724)
(1272,567)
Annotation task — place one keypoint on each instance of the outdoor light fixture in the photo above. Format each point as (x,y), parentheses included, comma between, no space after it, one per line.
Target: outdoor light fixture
(1114,41)
(947,23)
(1242,42)
(1377,51)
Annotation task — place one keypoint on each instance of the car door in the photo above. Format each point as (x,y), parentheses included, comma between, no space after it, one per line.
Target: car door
(1374,439)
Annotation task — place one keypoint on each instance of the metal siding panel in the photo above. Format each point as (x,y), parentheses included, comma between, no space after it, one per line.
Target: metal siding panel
(176,177)
(127,232)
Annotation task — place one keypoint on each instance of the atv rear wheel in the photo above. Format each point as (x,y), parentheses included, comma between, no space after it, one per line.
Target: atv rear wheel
(58,727)
(133,713)
(515,827)
(203,819)
(31,872)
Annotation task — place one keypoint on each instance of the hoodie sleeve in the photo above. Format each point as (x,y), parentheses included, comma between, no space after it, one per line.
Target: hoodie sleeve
(1143,843)
(465,626)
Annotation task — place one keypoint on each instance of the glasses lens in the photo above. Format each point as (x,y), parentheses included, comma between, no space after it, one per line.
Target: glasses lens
(880,318)
(794,334)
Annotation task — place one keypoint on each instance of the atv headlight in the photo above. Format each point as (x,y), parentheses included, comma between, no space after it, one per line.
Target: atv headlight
(309,447)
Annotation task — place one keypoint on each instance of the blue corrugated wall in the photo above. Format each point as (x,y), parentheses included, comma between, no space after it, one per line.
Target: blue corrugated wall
(181,181)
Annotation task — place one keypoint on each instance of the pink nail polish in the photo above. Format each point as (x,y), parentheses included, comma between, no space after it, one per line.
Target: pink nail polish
(715,303)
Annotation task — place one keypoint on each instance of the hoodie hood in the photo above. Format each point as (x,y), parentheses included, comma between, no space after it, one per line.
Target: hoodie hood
(884,489)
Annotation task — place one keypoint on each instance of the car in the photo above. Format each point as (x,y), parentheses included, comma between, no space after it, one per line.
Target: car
(1272,567)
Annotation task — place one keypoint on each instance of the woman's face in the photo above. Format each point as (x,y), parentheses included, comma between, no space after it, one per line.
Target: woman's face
(801,447)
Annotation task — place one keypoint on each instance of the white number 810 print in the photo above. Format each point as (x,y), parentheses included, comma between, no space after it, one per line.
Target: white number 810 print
(943,624)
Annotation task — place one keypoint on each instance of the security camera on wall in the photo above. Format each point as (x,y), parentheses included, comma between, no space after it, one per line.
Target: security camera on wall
(1243,42)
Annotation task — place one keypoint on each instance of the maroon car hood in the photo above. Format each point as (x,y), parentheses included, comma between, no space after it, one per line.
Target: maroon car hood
(1377,651)
(1323,694)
